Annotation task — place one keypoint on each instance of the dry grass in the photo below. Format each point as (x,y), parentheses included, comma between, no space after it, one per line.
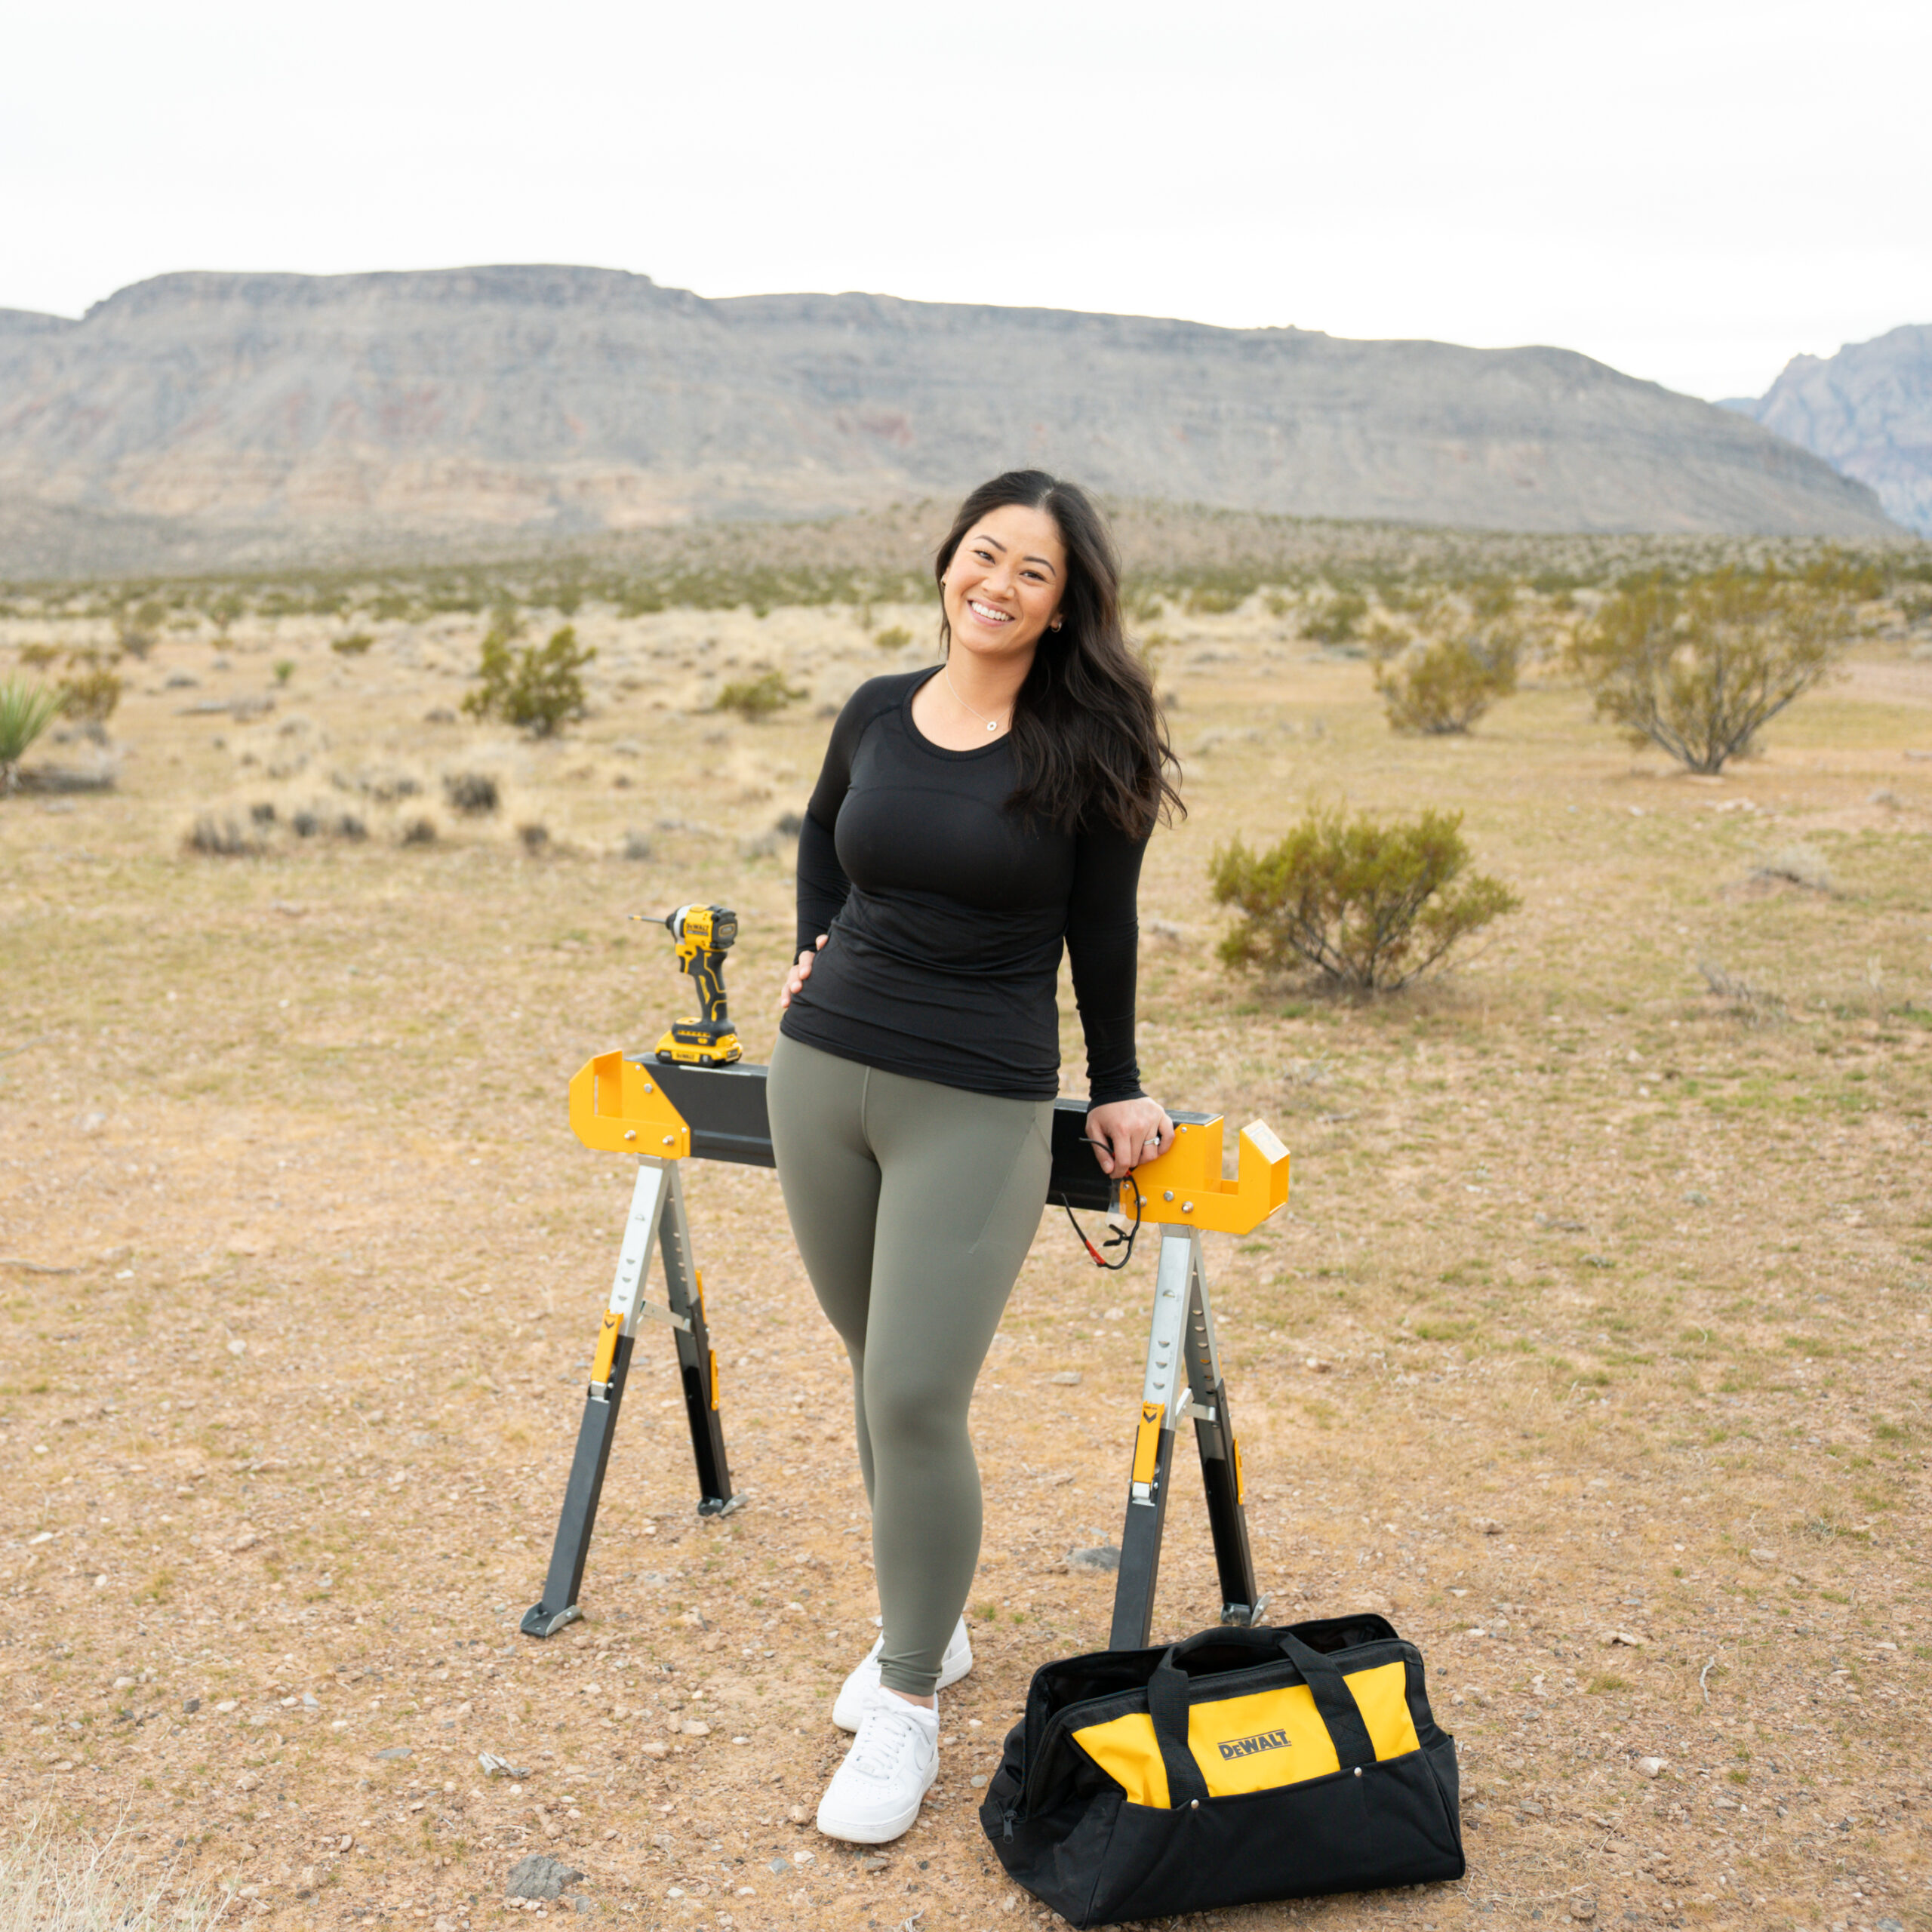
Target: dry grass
(1595,1311)
(83,1884)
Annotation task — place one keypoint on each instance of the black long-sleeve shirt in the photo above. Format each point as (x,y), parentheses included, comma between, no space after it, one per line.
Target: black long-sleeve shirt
(946,913)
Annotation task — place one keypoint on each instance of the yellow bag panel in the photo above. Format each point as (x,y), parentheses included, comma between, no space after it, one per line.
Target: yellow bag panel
(1127,1750)
(1382,1696)
(1258,1742)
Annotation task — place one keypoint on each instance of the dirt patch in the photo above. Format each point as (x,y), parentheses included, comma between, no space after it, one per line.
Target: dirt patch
(1592,1343)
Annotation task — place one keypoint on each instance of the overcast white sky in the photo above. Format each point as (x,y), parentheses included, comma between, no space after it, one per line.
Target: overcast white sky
(1693,191)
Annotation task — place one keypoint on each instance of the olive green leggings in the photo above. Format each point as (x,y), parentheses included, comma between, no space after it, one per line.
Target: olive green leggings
(913,1205)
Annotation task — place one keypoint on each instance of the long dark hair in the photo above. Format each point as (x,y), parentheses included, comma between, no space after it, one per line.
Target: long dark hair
(1089,742)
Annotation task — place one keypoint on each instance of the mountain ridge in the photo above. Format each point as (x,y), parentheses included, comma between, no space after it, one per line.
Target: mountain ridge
(559,399)
(1867,411)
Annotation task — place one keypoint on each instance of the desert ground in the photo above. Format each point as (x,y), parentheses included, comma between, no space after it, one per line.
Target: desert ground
(1591,1346)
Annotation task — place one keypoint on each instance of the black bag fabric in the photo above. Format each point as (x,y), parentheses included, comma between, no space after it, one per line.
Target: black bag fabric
(1240,1766)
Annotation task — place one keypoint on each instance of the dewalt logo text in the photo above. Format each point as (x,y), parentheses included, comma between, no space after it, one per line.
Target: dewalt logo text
(1246,1747)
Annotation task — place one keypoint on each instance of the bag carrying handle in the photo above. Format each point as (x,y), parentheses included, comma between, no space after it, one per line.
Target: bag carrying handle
(1168,1695)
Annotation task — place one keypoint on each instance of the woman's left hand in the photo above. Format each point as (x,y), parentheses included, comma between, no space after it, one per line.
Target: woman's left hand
(1129,1132)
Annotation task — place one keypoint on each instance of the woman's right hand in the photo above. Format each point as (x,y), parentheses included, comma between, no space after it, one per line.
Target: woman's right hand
(801,971)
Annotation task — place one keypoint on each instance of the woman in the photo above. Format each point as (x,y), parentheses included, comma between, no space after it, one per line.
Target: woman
(968,821)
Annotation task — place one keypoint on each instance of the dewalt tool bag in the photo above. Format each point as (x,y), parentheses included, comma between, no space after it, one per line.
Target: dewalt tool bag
(1242,1765)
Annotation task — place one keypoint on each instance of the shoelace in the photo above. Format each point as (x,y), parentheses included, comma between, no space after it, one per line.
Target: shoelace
(883,1736)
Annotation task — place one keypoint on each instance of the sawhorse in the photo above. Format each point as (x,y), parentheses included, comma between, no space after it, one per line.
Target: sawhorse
(666,1114)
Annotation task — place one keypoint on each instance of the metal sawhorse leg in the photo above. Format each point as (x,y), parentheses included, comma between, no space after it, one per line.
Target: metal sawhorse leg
(658,1218)
(1184,1380)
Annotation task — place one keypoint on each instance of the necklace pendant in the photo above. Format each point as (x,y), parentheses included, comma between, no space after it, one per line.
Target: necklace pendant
(993,727)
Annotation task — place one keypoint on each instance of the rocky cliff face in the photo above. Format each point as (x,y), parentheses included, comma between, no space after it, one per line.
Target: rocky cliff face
(576,399)
(1867,411)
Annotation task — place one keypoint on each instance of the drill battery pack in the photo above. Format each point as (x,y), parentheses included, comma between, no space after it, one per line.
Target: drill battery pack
(701,1043)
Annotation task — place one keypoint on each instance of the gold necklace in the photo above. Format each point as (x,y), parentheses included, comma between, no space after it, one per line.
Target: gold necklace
(991,724)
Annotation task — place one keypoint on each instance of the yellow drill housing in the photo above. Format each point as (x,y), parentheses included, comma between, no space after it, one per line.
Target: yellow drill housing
(704,935)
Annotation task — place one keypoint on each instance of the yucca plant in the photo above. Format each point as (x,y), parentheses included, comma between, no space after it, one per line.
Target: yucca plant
(25,711)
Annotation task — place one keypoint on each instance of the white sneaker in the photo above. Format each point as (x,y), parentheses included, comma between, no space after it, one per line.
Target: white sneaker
(849,1705)
(874,1796)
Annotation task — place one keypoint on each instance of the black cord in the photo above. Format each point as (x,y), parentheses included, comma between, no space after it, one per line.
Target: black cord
(1114,1240)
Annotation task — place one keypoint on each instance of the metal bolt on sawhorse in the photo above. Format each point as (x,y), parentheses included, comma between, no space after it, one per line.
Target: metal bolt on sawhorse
(666,1114)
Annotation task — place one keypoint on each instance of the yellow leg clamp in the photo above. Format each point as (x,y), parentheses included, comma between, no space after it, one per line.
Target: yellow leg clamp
(1147,1441)
(606,1345)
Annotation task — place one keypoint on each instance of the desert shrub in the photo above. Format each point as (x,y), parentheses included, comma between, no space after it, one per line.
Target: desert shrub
(637,846)
(757,697)
(1797,865)
(540,688)
(353,645)
(471,793)
(25,711)
(285,669)
(135,640)
(89,690)
(1366,904)
(1211,600)
(1699,668)
(1333,620)
(536,839)
(419,832)
(1755,1005)
(223,836)
(1441,685)
(315,822)
(894,637)
(38,656)
(262,812)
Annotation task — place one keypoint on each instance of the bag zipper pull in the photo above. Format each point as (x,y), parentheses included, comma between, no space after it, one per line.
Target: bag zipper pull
(1006,1822)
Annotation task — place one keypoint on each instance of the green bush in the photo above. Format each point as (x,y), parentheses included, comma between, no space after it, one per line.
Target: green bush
(1699,668)
(1439,686)
(757,697)
(1366,905)
(1332,621)
(353,645)
(25,711)
(89,691)
(894,637)
(1215,600)
(541,689)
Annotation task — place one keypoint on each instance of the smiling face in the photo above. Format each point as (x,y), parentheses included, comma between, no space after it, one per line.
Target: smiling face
(1003,584)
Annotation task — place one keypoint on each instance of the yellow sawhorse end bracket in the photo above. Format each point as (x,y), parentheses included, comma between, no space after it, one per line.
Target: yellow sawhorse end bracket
(618,1107)
(1184,1188)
